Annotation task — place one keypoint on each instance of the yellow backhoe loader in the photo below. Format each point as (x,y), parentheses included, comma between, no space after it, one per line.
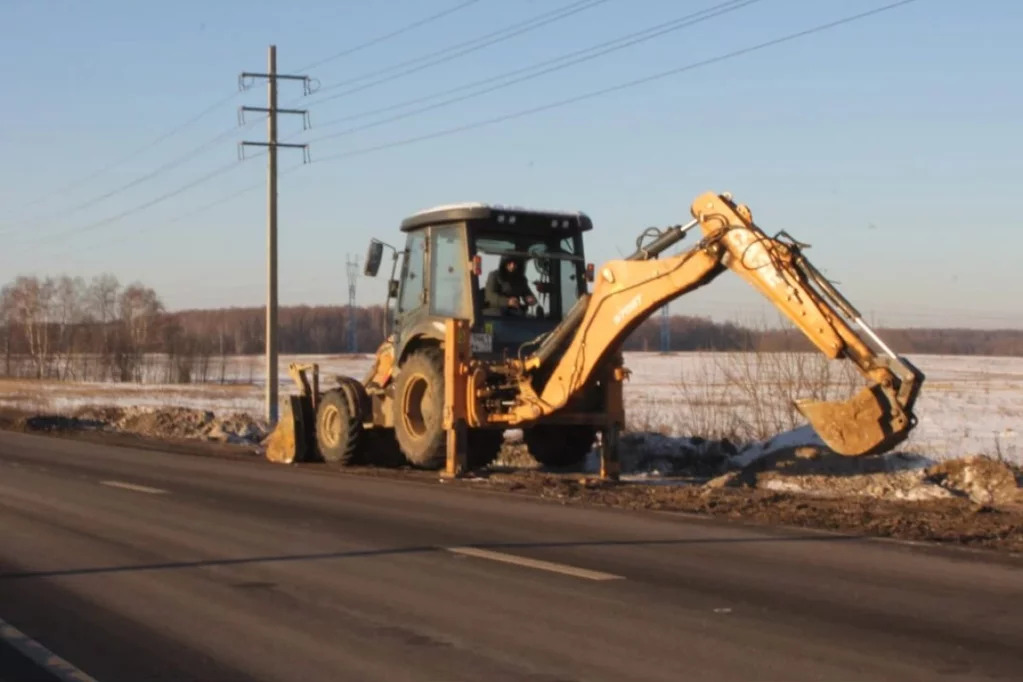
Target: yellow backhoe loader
(530,346)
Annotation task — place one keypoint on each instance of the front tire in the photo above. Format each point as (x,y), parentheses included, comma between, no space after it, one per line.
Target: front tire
(338,431)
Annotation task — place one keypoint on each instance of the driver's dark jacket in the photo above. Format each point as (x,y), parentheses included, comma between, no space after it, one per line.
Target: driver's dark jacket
(499,289)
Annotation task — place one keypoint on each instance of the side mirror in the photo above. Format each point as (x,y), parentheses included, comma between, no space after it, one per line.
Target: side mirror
(373,257)
(392,288)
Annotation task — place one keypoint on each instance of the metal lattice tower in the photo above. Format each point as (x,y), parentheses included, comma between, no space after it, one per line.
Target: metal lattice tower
(666,320)
(352,265)
(665,330)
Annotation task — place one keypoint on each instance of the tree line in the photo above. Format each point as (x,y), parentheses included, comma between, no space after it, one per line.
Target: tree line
(69,328)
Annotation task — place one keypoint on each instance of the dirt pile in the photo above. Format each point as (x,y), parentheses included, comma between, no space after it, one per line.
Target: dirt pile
(514,454)
(797,462)
(983,479)
(159,423)
(894,476)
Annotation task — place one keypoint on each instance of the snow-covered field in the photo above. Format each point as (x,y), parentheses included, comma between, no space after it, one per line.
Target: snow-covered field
(968,404)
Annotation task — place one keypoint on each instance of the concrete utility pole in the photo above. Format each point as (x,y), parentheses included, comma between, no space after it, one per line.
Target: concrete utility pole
(353,274)
(271,144)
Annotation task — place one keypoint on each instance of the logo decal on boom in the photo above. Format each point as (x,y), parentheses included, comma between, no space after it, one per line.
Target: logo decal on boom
(628,309)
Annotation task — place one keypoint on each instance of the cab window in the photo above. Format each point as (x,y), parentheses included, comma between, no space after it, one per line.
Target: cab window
(550,265)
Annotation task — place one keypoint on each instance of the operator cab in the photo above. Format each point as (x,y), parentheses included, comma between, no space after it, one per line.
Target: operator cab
(452,252)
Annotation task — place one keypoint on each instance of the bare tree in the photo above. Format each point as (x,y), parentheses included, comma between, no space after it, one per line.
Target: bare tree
(8,318)
(68,314)
(139,307)
(102,303)
(29,304)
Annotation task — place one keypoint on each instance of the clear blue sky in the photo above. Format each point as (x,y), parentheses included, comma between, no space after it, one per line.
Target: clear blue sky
(892,144)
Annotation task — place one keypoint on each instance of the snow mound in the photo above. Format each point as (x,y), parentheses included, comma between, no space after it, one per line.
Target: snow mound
(804,436)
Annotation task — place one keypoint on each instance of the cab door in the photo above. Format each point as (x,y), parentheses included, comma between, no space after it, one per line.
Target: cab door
(449,273)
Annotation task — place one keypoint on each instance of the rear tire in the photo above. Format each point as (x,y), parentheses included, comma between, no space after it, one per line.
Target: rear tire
(338,431)
(380,448)
(483,446)
(559,445)
(419,408)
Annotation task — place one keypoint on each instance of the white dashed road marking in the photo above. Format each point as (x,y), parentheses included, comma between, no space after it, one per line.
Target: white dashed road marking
(564,569)
(41,656)
(132,486)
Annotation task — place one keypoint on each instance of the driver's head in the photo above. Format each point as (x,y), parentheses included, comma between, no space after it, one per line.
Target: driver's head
(511,265)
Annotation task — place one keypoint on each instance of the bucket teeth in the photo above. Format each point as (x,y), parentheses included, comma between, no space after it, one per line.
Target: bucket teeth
(861,425)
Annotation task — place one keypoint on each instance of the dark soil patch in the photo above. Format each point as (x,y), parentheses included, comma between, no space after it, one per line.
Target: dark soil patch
(949,521)
(61,423)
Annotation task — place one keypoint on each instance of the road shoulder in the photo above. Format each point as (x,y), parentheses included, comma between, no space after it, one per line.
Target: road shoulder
(956,523)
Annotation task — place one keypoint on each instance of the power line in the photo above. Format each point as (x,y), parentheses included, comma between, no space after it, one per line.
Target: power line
(188,214)
(95,174)
(458,50)
(206,145)
(135,209)
(182,216)
(667,26)
(188,156)
(538,109)
(572,58)
(393,34)
(575,6)
(614,88)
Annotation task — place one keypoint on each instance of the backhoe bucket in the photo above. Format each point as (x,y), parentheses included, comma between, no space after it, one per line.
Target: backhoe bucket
(858,426)
(292,439)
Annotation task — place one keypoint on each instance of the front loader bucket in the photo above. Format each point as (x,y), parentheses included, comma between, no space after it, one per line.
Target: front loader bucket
(859,426)
(292,439)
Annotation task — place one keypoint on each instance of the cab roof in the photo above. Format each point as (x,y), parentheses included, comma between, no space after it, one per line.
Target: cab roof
(512,216)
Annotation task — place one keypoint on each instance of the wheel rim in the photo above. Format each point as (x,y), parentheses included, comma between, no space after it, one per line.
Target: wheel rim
(415,408)
(330,426)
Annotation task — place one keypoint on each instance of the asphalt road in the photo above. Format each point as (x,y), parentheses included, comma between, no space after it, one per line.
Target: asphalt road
(138,565)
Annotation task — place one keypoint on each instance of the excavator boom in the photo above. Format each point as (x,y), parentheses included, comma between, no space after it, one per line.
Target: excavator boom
(628,291)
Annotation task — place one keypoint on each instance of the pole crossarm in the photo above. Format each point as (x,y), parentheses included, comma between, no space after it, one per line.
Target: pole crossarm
(304,113)
(279,111)
(306,156)
(246,78)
